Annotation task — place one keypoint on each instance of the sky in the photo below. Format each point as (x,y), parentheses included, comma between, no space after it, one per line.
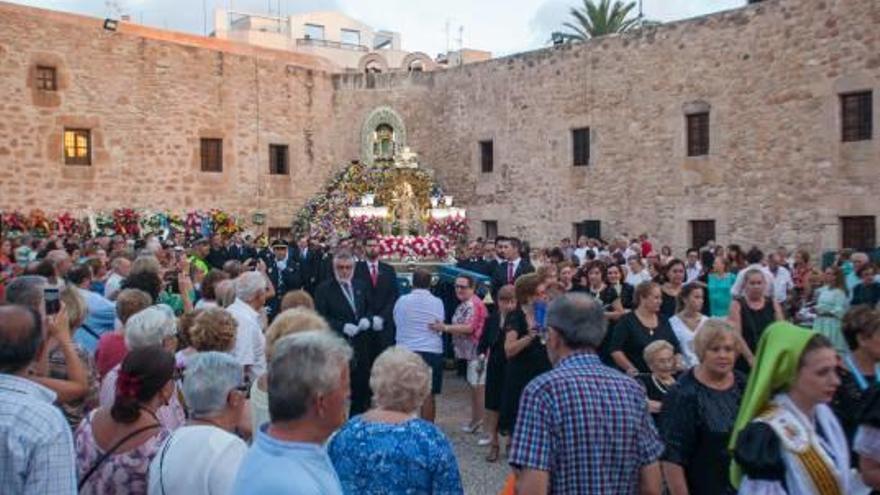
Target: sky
(500,26)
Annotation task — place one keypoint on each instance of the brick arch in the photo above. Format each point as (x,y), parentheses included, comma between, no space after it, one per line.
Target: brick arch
(427,63)
(370,58)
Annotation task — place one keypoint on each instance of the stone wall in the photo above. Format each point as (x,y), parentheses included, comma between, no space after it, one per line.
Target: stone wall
(771,74)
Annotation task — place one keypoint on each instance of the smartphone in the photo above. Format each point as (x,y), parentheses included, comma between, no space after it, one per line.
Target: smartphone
(52,298)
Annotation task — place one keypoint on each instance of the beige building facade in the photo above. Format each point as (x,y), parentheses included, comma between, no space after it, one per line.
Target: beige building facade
(756,126)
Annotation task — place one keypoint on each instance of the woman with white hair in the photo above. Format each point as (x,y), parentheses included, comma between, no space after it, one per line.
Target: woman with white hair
(202,457)
(154,326)
(389,449)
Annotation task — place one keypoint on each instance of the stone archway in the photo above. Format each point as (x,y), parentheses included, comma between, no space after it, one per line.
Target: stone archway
(381,116)
(373,62)
(417,59)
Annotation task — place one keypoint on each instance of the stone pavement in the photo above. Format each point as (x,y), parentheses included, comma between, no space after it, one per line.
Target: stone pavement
(453,410)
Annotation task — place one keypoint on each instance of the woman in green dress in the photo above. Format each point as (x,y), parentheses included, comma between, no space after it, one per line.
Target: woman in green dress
(832,302)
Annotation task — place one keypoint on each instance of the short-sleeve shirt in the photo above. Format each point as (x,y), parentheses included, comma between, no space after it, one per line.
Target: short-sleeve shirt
(588,426)
(196,459)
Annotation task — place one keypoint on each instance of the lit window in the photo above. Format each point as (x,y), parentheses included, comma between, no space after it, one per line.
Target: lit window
(77,147)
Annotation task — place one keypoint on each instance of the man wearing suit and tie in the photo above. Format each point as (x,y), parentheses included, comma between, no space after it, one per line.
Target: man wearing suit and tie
(513,265)
(381,279)
(344,302)
(284,272)
(309,260)
(238,250)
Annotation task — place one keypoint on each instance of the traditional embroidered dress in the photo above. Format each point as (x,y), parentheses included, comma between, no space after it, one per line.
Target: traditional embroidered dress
(777,449)
(784,452)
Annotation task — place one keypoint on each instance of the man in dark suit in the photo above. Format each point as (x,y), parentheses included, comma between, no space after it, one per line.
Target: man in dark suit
(513,267)
(474,261)
(344,301)
(238,250)
(381,279)
(309,260)
(217,253)
(284,272)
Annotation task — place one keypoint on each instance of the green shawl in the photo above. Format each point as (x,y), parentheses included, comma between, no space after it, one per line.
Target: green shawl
(775,368)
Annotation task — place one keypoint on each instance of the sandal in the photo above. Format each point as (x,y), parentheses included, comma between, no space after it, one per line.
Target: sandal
(494,452)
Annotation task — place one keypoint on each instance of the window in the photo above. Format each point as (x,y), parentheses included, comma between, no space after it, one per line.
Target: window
(314,32)
(859,233)
(856,116)
(580,139)
(490,229)
(212,155)
(487,156)
(702,231)
(279,232)
(698,134)
(590,228)
(46,78)
(278,159)
(416,66)
(350,37)
(77,147)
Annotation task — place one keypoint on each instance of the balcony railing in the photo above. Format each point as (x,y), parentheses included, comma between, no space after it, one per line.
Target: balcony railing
(331,44)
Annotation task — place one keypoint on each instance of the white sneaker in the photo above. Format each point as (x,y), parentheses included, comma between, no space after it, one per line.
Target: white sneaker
(471,428)
(482,442)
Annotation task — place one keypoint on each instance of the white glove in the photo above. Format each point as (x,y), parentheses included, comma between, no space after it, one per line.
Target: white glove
(364,324)
(377,323)
(350,330)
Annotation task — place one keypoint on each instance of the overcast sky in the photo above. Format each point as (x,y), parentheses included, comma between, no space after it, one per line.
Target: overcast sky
(500,26)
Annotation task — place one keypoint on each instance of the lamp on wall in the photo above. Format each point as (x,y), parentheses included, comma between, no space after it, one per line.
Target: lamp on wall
(259,218)
(111,24)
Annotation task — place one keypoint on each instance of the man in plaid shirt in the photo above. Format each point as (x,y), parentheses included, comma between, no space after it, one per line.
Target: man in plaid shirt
(583,427)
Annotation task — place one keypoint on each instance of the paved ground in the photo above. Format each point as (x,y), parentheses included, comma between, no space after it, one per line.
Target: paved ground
(453,410)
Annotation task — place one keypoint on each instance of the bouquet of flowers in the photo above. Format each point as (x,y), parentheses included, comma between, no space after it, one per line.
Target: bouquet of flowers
(223,222)
(126,221)
(15,221)
(365,227)
(454,228)
(66,224)
(413,247)
(39,223)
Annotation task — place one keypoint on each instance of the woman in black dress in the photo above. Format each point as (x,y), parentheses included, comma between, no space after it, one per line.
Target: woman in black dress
(699,414)
(673,276)
(751,314)
(660,357)
(492,344)
(635,330)
(591,280)
(614,278)
(526,354)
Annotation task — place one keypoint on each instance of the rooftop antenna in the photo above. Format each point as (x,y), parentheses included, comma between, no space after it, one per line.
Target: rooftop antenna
(460,38)
(448,47)
(641,14)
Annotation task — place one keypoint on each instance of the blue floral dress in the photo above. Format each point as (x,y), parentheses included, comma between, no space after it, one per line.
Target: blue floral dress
(413,457)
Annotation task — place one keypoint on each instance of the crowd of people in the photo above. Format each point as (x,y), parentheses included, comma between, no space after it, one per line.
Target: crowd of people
(141,365)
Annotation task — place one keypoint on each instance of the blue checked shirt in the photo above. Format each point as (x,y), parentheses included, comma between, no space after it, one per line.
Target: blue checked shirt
(588,426)
(36,445)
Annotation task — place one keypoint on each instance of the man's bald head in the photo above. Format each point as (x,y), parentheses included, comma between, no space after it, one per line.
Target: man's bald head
(21,335)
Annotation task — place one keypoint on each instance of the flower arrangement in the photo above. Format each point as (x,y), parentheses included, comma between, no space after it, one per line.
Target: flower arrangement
(126,221)
(15,222)
(39,223)
(413,247)
(455,228)
(364,227)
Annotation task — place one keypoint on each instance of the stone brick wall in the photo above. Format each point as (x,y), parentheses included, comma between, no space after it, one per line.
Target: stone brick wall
(771,74)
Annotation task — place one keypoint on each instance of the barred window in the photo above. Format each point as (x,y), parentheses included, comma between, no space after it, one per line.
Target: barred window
(698,134)
(856,116)
(77,146)
(212,155)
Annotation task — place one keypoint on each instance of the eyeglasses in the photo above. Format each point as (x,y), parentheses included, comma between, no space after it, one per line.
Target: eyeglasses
(462,287)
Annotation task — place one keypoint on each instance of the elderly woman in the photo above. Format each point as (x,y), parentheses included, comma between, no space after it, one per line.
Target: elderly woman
(288,322)
(526,353)
(212,329)
(202,457)
(297,299)
(154,326)
(858,375)
(389,449)
(786,439)
(114,445)
(660,356)
(466,328)
(699,412)
(635,330)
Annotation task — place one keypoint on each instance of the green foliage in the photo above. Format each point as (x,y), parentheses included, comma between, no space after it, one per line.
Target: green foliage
(594,19)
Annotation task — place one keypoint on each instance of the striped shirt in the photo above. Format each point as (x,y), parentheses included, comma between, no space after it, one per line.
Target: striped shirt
(588,426)
(36,445)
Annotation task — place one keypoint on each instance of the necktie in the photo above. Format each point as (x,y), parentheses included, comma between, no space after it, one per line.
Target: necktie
(509,272)
(346,288)
(373,275)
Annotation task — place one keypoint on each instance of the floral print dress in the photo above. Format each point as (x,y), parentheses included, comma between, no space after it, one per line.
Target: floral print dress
(123,473)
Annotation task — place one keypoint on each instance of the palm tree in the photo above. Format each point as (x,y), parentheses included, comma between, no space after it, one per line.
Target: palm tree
(596,20)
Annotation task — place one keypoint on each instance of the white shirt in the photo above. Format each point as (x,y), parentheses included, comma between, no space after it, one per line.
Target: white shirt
(635,279)
(782,284)
(693,272)
(739,285)
(412,315)
(113,286)
(197,460)
(686,339)
(250,343)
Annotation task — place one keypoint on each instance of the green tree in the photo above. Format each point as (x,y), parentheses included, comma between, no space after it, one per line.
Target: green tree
(599,19)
